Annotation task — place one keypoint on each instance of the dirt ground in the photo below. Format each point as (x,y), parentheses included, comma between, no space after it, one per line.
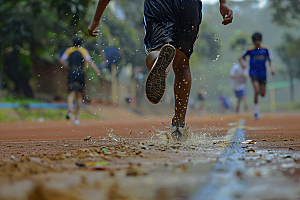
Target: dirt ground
(128,156)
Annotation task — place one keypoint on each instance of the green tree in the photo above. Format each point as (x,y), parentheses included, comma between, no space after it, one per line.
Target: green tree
(208,44)
(128,34)
(287,12)
(32,32)
(239,41)
(290,55)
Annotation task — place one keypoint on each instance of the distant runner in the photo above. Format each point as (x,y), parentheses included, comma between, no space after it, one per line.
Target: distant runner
(224,103)
(239,75)
(171,29)
(259,54)
(78,57)
(202,98)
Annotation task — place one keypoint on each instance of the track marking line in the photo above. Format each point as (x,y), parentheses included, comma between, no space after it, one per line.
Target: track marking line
(225,175)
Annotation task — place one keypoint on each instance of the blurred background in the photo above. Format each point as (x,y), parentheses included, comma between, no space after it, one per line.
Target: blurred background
(34,33)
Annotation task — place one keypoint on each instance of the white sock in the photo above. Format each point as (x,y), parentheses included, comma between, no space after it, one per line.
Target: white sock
(256,108)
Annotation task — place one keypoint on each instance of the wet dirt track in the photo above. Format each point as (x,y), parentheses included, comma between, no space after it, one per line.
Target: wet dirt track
(141,162)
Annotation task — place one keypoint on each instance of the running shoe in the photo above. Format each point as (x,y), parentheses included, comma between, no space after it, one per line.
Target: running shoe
(156,81)
(256,116)
(177,132)
(69,114)
(76,120)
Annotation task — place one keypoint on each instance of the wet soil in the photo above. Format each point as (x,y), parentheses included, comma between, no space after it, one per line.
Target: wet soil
(273,160)
(135,158)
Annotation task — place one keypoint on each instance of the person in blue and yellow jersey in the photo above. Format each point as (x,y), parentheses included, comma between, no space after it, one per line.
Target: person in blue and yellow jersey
(78,58)
(259,54)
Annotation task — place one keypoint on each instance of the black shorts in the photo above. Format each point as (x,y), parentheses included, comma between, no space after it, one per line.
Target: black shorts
(261,81)
(76,81)
(175,22)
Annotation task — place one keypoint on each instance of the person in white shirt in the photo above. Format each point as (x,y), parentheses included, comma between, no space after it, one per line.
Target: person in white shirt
(239,75)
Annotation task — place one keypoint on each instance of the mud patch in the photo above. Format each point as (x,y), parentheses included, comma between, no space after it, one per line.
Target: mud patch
(113,168)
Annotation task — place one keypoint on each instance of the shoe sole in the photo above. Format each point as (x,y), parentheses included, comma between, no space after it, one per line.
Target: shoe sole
(177,135)
(156,81)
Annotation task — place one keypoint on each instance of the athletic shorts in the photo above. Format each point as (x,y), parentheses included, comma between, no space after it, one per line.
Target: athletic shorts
(240,93)
(76,81)
(176,22)
(261,81)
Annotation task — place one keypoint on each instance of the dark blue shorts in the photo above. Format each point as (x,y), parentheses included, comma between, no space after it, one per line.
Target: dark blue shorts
(175,22)
(240,93)
(261,81)
(76,81)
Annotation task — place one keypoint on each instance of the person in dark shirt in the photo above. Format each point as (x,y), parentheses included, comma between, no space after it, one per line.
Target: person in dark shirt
(171,29)
(77,57)
(201,96)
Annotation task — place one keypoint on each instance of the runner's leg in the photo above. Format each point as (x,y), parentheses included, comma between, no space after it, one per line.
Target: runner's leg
(262,90)
(156,80)
(79,103)
(70,100)
(256,88)
(237,109)
(151,58)
(244,100)
(182,87)
(182,84)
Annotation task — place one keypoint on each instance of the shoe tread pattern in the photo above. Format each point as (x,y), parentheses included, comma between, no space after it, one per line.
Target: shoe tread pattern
(156,83)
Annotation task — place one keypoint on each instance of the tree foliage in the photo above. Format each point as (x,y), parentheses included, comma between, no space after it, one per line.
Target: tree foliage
(239,41)
(208,44)
(31,32)
(290,55)
(287,12)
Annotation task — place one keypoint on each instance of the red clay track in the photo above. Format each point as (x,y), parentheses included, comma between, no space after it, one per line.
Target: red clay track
(131,127)
(277,128)
(280,131)
(271,163)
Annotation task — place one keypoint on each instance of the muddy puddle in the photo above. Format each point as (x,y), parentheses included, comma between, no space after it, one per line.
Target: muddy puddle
(111,167)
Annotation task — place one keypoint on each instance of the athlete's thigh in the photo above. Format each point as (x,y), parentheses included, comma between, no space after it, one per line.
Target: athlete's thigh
(262,89)
(256,85)
(262,84)
(79,94)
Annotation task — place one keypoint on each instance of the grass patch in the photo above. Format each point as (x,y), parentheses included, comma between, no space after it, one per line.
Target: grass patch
(47,114)
(296,105)
(9,115)
(281,106)
(20,100)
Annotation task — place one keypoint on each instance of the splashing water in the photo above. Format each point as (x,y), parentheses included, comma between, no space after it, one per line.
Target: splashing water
(195,140)
(112,135)
(192,139)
